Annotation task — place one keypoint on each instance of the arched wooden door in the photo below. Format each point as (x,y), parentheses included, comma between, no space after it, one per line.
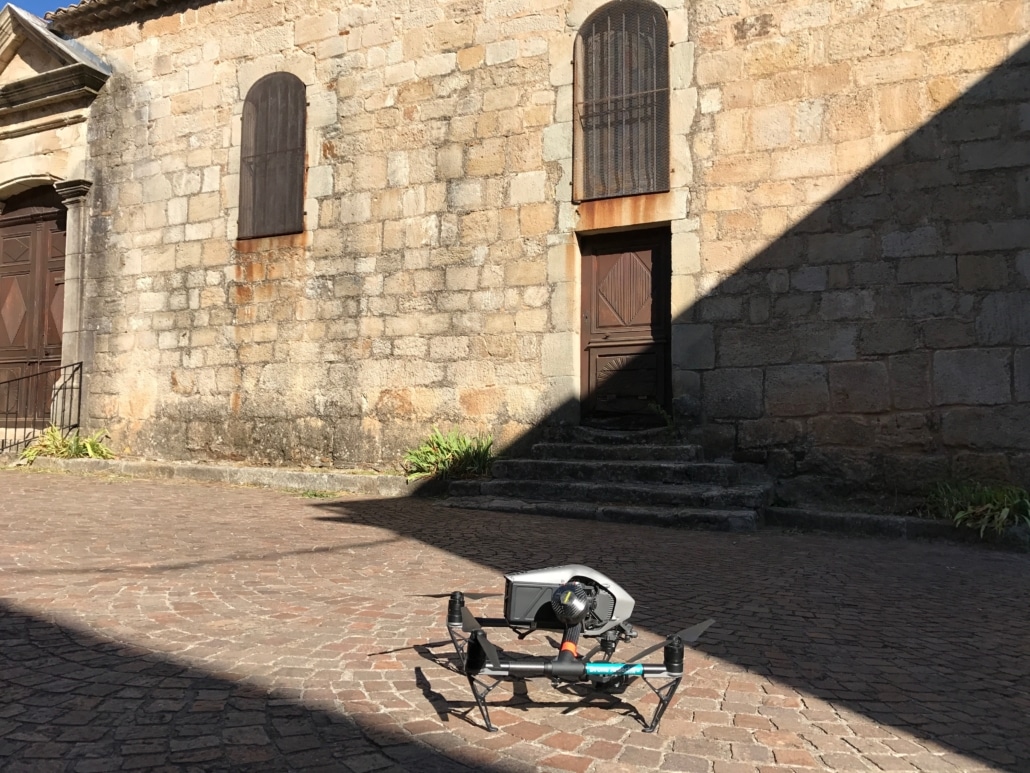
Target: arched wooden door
(32,234)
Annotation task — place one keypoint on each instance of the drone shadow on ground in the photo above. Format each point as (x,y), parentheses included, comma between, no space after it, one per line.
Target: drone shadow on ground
(930,640)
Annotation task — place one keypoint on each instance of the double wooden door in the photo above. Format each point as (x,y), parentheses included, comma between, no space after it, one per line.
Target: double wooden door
(32,236)
(625,331)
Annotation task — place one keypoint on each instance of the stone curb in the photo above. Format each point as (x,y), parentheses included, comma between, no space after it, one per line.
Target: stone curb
(386,486)
(895,526)
(395,486)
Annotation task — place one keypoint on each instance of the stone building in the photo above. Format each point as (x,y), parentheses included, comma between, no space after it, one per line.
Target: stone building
(300,232)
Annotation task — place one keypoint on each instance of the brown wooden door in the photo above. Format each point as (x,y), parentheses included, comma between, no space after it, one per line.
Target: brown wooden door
(625,333)
(32,241)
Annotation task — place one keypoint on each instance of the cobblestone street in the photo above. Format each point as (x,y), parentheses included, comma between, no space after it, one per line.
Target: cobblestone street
(152,625)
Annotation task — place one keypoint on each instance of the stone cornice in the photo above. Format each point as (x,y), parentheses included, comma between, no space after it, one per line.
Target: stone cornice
(73,191)
(61,85)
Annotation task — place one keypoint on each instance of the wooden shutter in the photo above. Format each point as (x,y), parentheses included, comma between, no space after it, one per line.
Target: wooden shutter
(622,101)
(272,158)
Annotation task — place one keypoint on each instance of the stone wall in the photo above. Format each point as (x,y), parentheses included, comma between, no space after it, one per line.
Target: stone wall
(436,282)
(864,290)
(848,215)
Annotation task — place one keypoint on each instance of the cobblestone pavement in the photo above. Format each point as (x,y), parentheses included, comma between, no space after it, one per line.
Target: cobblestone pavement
(150,625)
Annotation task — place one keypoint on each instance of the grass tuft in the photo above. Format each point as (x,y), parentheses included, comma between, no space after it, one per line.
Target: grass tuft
(454,455)
(53,443)
(980,506)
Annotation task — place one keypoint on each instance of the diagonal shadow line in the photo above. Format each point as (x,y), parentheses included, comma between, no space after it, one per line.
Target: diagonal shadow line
(72,698)
(899,633)
(916,255)
(148,569)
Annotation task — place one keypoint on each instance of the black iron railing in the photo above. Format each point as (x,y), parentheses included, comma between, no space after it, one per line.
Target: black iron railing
(30,404)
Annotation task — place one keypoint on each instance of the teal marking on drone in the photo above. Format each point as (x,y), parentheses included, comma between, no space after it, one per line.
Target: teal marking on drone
(613,669)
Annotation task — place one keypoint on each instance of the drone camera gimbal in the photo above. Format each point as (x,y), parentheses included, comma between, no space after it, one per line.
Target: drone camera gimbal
(579,601)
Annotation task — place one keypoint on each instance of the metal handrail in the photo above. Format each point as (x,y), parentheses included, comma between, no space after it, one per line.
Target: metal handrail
(28,404)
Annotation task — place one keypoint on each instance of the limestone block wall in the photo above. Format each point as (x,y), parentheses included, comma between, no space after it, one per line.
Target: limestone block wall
(863,313)
(848,215)
(436,281)
(50,153)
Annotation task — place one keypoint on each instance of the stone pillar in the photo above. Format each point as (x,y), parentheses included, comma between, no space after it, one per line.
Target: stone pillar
(74,343)
(76,340)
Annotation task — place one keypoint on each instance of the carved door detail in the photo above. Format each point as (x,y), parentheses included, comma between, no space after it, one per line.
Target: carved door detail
(625,333)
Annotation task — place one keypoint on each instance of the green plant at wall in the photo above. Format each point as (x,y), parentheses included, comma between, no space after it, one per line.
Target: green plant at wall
(454,455)
(54,444)
(980,506)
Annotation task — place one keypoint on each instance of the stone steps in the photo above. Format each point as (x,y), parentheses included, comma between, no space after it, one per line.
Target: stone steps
(614,452)
(738,520)
(669,495)
(627,471)
(647,477)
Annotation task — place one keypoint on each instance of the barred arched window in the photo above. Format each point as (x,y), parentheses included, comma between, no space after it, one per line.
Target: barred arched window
(272,157)
(622,101)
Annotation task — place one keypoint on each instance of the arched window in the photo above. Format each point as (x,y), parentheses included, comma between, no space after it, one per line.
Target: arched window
(272,158)
(622,101)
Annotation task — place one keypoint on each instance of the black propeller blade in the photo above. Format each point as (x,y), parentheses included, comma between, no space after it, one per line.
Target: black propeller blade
(688,635)
(447,595)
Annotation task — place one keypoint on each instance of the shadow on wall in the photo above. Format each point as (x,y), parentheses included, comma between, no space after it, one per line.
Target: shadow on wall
(883,341)
(102,705)
(906,635)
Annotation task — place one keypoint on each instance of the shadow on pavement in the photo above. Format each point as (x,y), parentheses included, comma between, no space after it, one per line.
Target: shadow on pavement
(932,640)
(72,701)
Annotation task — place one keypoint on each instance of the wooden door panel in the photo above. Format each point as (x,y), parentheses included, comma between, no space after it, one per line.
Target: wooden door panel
(626,379)
(15,304)
(625,355)
(15,246)
(623,297)
(53,318)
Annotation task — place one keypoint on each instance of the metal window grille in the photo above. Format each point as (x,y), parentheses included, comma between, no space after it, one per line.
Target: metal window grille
(272,158)
(623,101)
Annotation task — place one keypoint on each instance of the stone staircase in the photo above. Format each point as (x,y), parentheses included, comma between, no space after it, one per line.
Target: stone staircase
(630,477)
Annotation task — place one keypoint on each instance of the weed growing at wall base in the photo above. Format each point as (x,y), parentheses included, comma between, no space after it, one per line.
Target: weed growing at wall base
(454,455)
(53,444)
(980,506)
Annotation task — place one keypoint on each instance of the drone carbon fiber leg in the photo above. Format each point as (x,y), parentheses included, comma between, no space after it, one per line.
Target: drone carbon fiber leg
(471,653)
(480,696)
(664,693)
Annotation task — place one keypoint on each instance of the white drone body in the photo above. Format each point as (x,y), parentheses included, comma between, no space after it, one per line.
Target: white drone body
(527,598)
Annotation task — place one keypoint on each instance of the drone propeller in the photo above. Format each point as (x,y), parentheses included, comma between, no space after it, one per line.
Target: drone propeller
(447,595)
(470,625)
(688,635)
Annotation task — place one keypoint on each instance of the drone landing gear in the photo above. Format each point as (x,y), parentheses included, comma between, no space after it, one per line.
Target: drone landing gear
(480,658)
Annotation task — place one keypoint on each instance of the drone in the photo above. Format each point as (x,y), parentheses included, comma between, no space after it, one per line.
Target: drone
(579,601)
